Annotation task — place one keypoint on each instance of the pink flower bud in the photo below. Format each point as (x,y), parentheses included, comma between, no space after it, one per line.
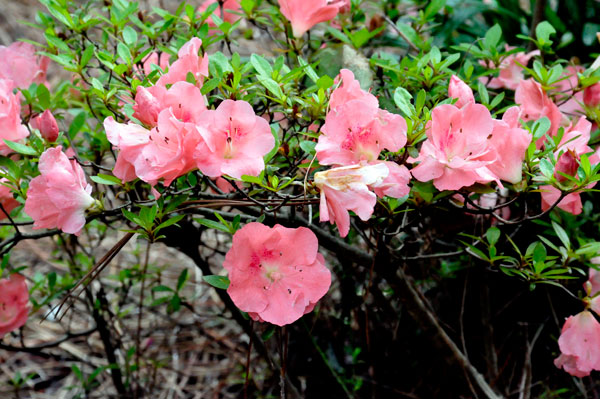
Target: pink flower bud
(591,95)
(14,300)
(47,125)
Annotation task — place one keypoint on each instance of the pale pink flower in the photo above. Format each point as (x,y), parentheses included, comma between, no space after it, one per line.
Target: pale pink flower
(510,142)
(347,188)
(592,286)
(591,95)
(188,62)
(579,344)
(11,127)
(234,141)
(14,303)
(535,104)
(351,137)
(457,152)
(22,66)
(46,124)
(224,11)
(348,90)
(573,144)
(184,99)
(510,73)
(395,185)
(7,199)
(304,14)
(129,139)
(60,195)
(461,91)
(276,274)
(165,152)
(570,102)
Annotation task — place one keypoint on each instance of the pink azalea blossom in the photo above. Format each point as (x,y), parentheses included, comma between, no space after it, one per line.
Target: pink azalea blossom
(591,95)
(188,62)
(21,65)
(6,199)
(510,142)
(395,185)
(351,137)
(348,90)
(224,11)
(304,14)
(570,102)
(14,303)
(510,73)
(46,124)
(573,144)
(458,151)
(347,188)
(10,117)
(234,141)
(592,286)
(184,99)
(276,274)
(535,104)
(60,195)
(579,344)
(461,91)
(165,152)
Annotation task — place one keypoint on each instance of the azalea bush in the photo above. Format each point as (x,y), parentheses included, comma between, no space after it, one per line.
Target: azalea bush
(354,198)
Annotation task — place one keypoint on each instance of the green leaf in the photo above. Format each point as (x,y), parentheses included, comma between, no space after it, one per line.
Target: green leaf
(124,53)
(130,35)
(261,65)
(21,148)
(77,124)
(43,96)
(86,56)
(183,276)
(546,168)
(221,282)
(433,8)
(271,85)
(108,180)
(543,31)
(492,235)
(492,37)
(403,98)
(562,234)
(211,224)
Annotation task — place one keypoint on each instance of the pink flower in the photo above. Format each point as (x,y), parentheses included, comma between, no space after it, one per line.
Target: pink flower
(304,14)
(348,90)
(346,189)
(579,344)
(165,152)
(510,142)
(460,90)
(184,99)
(535,104)
(458,151)
(573,144)
(234,141)
(129,139)
(10,117)
(188,62)
(224,11)
(395,185)
(351,137)
(6,199)
(592,286)
(60,195)
(46,124)
(21,65)
(591,95)
(570,102)
(14,303)
(276,274)
(510,73)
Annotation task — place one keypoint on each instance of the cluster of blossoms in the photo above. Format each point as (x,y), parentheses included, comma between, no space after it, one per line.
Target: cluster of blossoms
(352,142)
(579,340)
